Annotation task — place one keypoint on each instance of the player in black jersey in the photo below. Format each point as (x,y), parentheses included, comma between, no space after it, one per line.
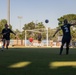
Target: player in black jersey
(6,36)
(39,38)
(66,35)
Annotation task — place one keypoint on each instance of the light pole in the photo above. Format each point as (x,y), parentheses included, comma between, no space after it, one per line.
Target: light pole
(8,12)
(20,17)
(47,21)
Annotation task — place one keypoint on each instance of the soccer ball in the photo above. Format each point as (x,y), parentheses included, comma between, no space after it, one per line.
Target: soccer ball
(46,21)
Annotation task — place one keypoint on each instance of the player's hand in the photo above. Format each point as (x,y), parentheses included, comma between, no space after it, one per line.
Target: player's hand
(53,36)
(16,37)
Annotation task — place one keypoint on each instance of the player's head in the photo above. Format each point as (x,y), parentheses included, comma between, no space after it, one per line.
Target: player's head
(6,25)
(39,33)
(65,21)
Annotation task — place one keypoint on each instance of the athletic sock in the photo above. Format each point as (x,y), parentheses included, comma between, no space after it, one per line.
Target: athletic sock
(2,48)
(6,47)
(61,49)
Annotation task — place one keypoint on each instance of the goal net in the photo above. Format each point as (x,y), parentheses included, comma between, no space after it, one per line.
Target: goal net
(33,33)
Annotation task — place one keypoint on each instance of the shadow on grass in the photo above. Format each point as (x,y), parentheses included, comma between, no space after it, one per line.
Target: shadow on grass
(40,61)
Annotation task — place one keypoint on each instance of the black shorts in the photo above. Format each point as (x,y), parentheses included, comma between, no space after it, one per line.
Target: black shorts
(39,39)
(66,40)
(6,38)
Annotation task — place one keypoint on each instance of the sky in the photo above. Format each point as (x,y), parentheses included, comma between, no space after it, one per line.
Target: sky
(36,11)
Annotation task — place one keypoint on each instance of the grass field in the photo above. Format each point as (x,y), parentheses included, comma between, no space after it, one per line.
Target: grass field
(37,61)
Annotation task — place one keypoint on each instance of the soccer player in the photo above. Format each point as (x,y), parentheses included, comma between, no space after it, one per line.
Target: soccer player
(31,41)
(39,38)
(6,36)
(66,35)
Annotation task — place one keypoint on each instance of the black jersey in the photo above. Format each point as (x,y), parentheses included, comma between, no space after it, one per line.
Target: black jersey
(6,33)
(39,37)
(66,30)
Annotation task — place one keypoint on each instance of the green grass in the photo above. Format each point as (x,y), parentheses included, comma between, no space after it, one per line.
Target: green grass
(40,59)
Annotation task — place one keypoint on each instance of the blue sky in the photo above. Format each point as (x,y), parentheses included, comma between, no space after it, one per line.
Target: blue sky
(37,11)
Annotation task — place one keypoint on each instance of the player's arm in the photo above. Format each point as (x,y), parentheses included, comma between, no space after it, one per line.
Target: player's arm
(56,31)
(12,32)
(73,24)
(3,32)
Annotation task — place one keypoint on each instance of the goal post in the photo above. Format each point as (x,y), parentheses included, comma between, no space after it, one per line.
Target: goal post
(37,31)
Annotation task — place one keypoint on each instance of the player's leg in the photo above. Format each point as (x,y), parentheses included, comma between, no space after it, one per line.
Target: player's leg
(8,41)
(4,41)
(67,45)
(31,43)
(61,48)
(39,42)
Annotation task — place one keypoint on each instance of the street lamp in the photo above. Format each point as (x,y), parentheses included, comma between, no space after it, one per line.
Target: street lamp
(47,21)
(20,17)
(8,12)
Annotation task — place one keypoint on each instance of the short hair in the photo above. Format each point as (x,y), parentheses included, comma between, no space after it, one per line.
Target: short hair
(65,20)
(6,24)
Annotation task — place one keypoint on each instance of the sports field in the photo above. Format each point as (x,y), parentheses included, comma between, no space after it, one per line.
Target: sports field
(37,61)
